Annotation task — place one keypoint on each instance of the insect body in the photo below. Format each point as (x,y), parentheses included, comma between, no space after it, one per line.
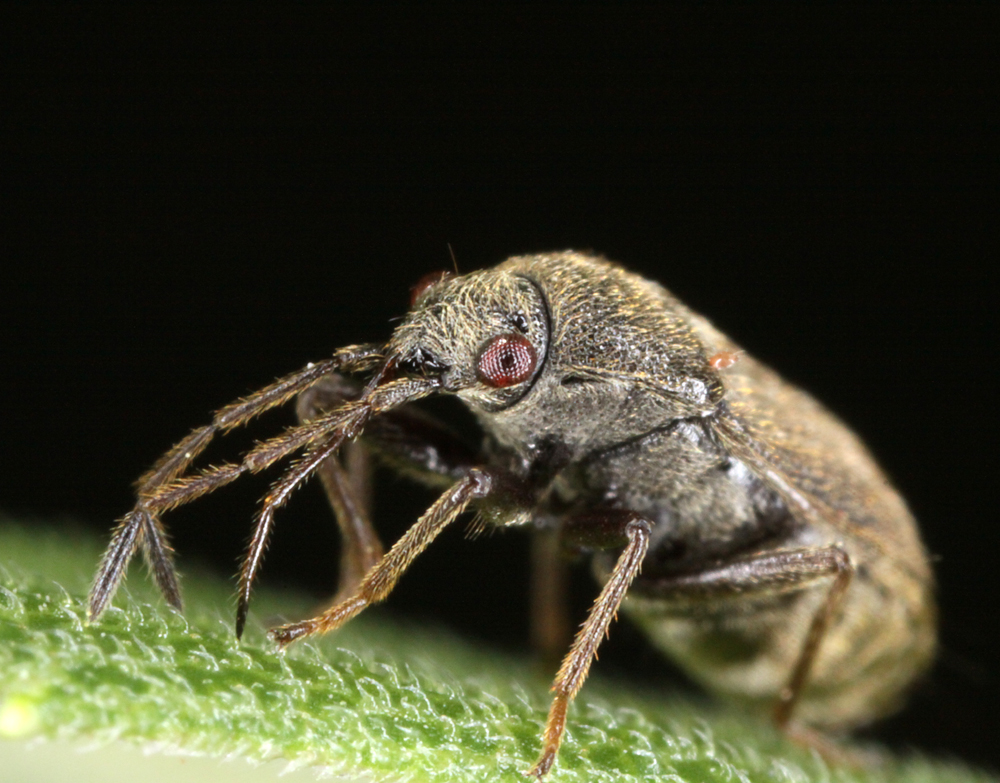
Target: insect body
(738,522)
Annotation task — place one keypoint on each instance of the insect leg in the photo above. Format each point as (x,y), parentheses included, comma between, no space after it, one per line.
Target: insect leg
(605,529)
(347,486)
(325,436)
(549,611)
(361,548)
(773,572)
(411,440)
(423,448)
(478,483)
(156,551)
(837,563)
(141,527)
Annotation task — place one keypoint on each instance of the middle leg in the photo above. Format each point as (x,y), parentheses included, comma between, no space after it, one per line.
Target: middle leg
(604,529)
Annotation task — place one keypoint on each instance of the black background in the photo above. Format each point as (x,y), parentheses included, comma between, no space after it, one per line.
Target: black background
(196,204)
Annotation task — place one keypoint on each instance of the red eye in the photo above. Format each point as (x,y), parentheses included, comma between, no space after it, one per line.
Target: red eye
(506,360)
(425,282)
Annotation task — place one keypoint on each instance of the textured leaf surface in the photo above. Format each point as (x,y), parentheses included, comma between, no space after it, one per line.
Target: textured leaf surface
(379,699)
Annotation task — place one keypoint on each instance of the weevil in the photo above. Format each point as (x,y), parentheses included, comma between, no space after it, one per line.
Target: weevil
(747,531)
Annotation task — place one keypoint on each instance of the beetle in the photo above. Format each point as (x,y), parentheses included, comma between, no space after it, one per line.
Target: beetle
(747,531)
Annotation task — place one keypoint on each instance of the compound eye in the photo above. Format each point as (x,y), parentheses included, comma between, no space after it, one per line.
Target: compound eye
(425,282)
(506,360)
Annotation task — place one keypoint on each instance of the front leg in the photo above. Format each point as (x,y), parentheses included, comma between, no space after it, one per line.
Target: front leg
(165,486)
(347,483)
(412,441)
(426,450)
(479,484)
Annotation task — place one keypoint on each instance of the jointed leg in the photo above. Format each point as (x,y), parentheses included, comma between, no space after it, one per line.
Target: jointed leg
(330,433)
(402,434)
(769,573)
(350,418)
(347,482)
(837,563)
(141,527)
(156,551)
(276,498)
(550,628)
(612,528)
(408,438)
(361,547)
(379,582)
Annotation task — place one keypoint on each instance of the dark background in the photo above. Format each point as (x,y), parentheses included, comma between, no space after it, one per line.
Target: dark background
(195,204)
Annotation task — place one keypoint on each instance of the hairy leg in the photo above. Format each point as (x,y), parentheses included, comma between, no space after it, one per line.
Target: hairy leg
(409,439)
(478,484)
(605,529)
(141,528)
(773,572)
(322,439)
(347,482)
